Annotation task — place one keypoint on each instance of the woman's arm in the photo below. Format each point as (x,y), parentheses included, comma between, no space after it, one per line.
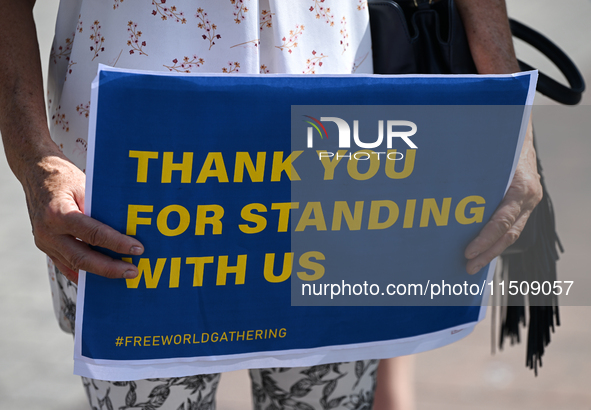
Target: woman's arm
(54,187)
(491,44)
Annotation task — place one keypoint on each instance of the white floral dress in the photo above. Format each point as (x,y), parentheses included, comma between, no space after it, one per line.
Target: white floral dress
(193,36)
(207,36)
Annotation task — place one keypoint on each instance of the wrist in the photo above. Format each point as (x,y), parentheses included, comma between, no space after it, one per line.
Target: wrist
(29,151)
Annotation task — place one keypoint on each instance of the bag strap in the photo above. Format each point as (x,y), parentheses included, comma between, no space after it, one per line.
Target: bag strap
(546,85)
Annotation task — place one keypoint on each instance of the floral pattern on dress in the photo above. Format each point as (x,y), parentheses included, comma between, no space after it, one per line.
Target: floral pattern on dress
(97,39)
(322,12)
(249,44)
(233,67)
(166,12)
(134,39)
(62,51)
(314,62)
(83,109)
(291,41)
(239,10)
(66,49)
(208,26)
(186,65)
(65,292)
(334,386)
(266,19)
(79,151)
(344,34)
(59,119)
(326,387)
(200,389)
(70,65)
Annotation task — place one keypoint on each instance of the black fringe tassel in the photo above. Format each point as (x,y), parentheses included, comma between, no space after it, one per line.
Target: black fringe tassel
(536,263)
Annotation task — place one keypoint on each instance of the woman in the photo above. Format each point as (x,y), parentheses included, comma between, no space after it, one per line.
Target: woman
(246,36)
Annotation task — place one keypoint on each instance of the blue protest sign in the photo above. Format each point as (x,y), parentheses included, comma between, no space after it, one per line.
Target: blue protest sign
(252,194)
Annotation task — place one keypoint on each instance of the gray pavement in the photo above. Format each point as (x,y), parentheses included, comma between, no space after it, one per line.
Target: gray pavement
(36,357)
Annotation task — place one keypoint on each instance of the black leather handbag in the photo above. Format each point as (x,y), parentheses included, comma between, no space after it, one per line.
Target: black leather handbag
(418,38)
(428,37)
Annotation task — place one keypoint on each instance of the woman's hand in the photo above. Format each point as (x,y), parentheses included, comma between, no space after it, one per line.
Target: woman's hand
(509,219)
(54,189)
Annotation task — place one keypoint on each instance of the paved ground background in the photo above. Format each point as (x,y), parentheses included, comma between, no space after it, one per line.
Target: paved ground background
(36,357)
